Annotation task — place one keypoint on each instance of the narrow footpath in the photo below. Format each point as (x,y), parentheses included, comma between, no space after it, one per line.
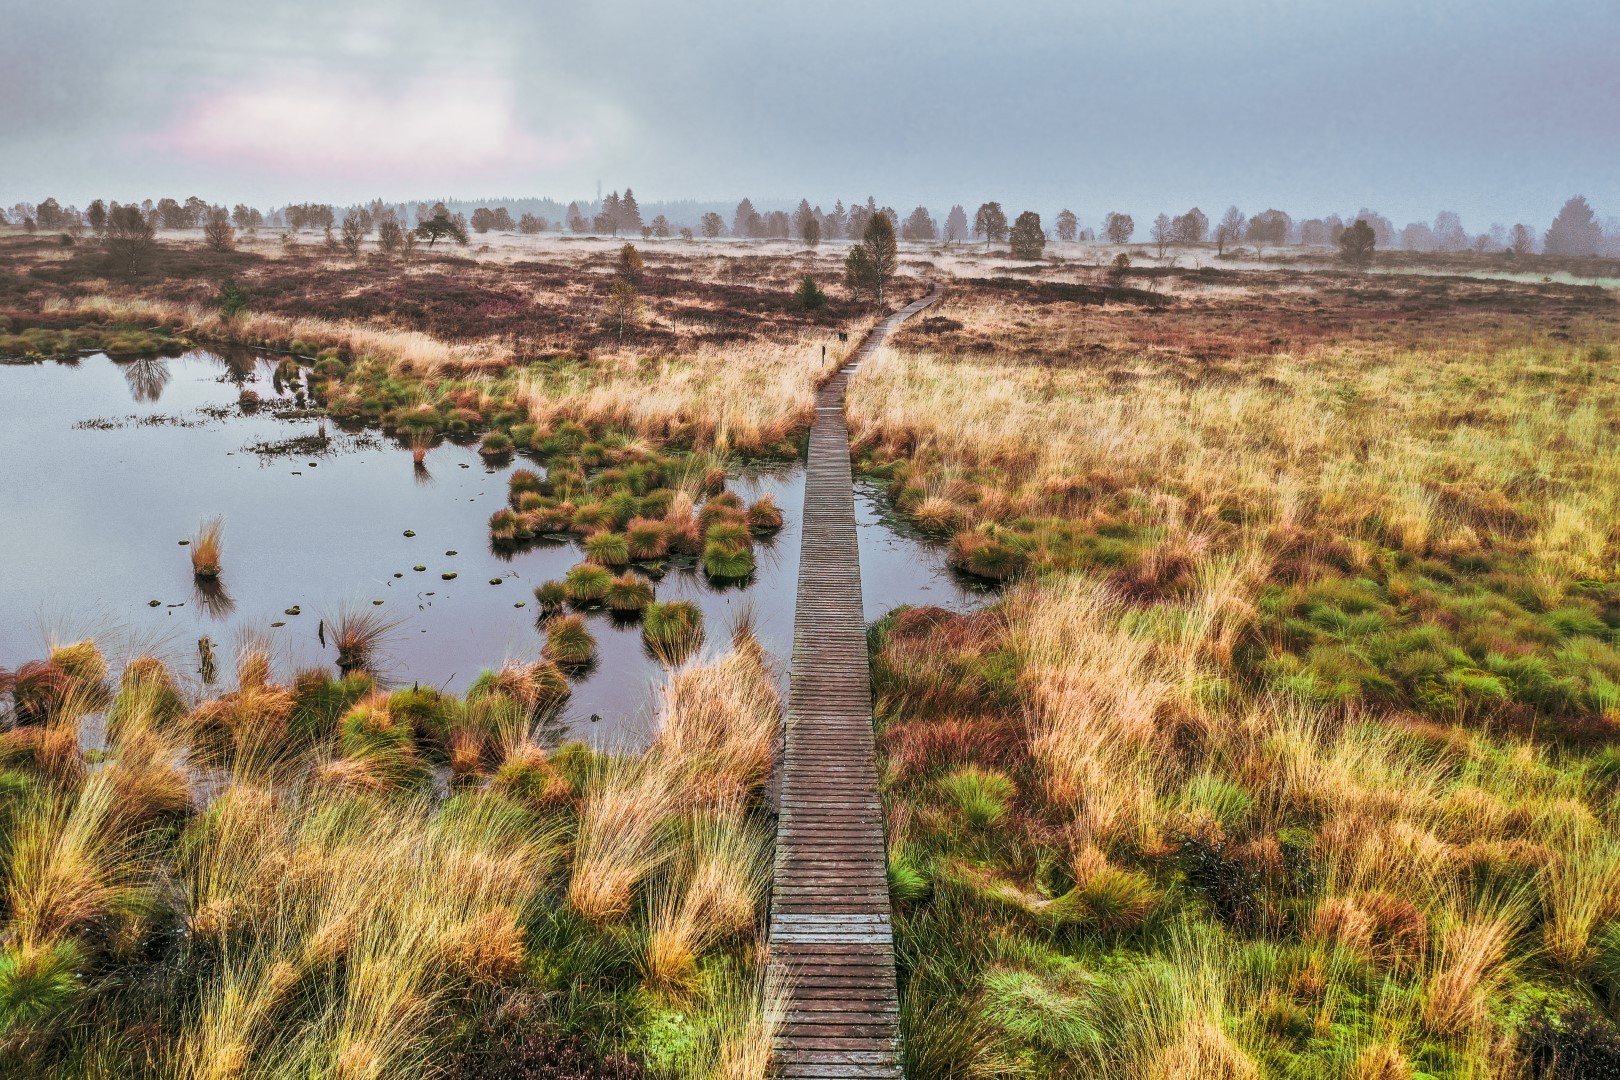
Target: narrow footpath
(830,936)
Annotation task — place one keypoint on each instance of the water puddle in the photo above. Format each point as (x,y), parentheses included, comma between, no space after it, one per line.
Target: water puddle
(108,465)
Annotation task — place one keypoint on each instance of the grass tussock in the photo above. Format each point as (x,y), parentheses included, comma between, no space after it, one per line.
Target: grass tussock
(1286,751)
(278,858)
(207,548)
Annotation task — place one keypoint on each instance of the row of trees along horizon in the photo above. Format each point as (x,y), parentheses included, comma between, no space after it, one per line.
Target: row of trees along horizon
(1574,232)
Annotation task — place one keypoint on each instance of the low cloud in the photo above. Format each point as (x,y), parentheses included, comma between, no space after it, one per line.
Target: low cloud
(440,131)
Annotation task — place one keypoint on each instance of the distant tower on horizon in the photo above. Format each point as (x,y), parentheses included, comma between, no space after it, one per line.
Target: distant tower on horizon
(599,191)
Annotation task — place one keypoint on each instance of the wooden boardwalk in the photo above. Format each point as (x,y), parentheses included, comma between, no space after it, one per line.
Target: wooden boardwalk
(830,938)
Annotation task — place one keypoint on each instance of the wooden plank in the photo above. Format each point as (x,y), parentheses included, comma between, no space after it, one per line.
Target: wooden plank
(831,941)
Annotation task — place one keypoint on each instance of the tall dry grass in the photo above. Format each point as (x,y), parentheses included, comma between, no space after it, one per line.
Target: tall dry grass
(742,396)
(1427,449)
(335,927)
(402,348)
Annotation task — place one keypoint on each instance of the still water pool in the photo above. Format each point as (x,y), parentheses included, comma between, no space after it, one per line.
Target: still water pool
(106,465)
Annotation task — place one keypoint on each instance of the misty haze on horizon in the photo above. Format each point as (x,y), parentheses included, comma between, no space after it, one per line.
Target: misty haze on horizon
(1497,111)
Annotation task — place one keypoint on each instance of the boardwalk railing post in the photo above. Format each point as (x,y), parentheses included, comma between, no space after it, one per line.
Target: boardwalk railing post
(831,941)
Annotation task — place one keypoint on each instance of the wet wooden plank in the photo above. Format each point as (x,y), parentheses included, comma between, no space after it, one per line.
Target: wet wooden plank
(830,937)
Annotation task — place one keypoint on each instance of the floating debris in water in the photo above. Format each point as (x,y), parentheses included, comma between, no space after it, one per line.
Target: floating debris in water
(154,603)
(205,659)
(183,543)
(376,603)
(278,624)
(450,552)
(521,603)
(410,532)
(399,575)
(495,581)
(294,610)
(418,569)
(448,575)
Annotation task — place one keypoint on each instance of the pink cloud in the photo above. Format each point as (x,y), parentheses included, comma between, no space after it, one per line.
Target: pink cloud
(431,130)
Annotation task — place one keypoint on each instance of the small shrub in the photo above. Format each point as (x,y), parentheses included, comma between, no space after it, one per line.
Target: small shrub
(809,296)
(533,1051)
(1577,1044)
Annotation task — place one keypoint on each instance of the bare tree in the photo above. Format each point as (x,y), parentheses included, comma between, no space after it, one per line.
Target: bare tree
(1268,227)
(630,265)
(1230,230)
(355,228)
(623,306)
(390,237)
(810,231)
(1190,228)
(1118,228)
(1163,233)
(1523,240)
(713,225)
(956,224)
(130,237)
(1027,237)
(660,227)
(1067,225)
(217,233)
(1119,270)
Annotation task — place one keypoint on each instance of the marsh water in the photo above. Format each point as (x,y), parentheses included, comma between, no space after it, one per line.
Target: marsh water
(105,466)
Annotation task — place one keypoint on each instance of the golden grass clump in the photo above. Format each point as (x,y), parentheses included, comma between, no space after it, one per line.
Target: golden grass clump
(626,805)
(713,892)
(207,547)
(360,634)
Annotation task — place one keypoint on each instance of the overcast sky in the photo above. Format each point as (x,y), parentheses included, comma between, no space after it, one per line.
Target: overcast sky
(1499,109)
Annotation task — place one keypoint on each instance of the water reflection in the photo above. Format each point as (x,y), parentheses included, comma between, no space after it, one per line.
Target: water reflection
(210,595)
(147,376)
(357,526)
